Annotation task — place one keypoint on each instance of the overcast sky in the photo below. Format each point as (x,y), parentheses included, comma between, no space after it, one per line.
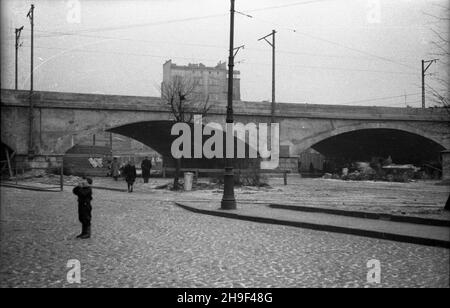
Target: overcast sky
(358,52)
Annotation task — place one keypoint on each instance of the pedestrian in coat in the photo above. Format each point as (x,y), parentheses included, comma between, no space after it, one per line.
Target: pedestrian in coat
(84,193)
(146,167)
(115,167)
(129,172)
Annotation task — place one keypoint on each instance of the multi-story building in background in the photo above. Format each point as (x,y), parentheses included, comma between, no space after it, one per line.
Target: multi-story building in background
(209,82)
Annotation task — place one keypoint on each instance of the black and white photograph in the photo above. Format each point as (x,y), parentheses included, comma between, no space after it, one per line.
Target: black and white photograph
(225,149)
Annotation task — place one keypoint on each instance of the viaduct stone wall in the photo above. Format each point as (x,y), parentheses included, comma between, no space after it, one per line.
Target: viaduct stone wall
(62,119)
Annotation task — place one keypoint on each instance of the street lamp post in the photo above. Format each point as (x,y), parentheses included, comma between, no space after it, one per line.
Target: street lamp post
(228,199)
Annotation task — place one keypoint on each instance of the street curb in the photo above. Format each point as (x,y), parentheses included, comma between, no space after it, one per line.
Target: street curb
(321,227)
(368,215)
(55,189)
(33,188)
(105,188)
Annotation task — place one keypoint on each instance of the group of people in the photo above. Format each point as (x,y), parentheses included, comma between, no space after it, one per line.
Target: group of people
(129,171)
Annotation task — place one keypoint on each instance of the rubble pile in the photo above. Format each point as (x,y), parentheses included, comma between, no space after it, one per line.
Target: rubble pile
(378,170)
(363,172)
(43,177)
(32,174)
(195,186)
(250,179)
(215,183)
(71,180)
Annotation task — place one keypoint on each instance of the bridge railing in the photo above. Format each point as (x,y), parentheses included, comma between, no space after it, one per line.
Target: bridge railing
(237,172)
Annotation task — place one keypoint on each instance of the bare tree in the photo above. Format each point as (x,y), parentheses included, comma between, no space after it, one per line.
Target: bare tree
(441,50)
(181,97)
(441,44)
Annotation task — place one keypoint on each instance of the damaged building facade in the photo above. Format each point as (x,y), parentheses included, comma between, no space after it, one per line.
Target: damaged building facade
(210,82)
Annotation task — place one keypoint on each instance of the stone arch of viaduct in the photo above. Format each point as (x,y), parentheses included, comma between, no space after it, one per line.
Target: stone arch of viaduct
(62,119)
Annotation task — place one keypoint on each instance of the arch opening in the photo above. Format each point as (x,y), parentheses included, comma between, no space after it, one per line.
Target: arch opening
(157,135)
(364,145)
(92,153)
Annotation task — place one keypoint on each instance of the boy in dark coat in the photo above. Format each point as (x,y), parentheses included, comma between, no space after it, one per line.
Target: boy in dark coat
(84,193)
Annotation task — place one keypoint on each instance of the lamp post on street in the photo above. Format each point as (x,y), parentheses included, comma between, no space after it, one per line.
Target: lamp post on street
(228,199)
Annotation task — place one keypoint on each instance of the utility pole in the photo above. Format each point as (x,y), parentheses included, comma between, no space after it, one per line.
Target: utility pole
(30,15)
(228,199)
(17,31)
(111,144)
(272,113)
(424,70)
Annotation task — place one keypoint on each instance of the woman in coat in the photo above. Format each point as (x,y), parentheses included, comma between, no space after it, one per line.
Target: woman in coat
(129,173)
(115,167)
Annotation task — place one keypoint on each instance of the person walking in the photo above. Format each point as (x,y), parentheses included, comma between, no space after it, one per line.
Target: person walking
(115,167)
(146,167)
(129,172)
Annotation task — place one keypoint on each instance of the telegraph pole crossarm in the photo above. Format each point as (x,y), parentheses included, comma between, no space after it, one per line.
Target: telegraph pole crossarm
(265,38)
(429,63)
(237,50)
(243,14)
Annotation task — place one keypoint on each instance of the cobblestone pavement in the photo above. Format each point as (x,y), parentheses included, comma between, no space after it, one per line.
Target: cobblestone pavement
(143,240)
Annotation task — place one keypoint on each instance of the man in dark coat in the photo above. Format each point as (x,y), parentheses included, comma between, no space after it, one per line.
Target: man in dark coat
(146,167)
(84,193)
(130,175)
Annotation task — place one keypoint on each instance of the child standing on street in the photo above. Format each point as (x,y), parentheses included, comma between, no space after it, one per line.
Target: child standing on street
(84,193)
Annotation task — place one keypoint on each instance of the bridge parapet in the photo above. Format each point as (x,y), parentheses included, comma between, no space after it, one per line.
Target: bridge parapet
(62,120)
(242,108)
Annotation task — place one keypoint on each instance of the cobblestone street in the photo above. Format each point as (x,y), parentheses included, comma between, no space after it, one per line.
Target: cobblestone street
(144,240)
